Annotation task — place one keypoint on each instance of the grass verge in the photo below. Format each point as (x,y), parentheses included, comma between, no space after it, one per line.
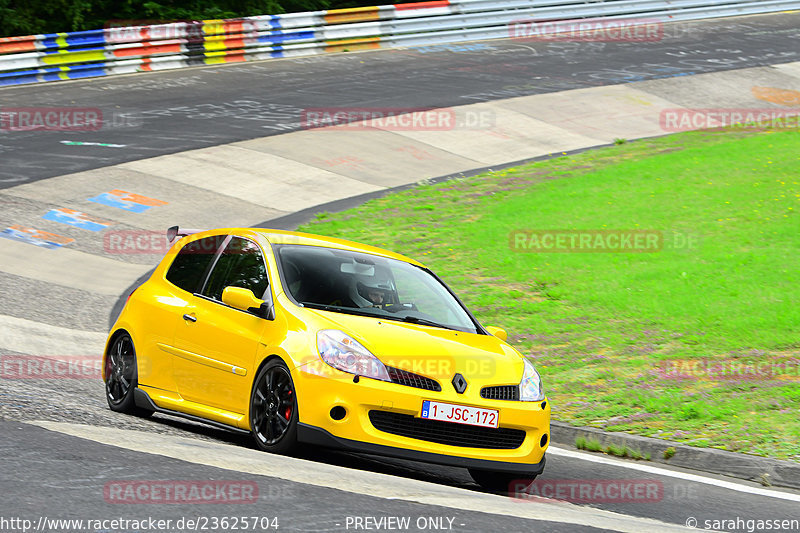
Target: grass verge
(697,342)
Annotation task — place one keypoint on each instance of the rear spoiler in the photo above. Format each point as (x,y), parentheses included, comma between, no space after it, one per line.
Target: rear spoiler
(176,232)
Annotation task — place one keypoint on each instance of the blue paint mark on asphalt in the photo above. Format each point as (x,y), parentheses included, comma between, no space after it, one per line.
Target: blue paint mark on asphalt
(115,201)
(21,236)
(75,218)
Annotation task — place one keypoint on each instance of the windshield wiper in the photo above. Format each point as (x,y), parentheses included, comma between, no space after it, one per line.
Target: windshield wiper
(340,308)
(357,311)
(422,321)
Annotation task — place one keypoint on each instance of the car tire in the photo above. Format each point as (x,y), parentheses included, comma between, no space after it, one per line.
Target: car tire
(121,377)
(502,482)
(273,409)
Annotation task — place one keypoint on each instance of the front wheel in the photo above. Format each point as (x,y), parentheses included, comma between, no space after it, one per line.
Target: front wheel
(121,377)
(502,481)
(273,409)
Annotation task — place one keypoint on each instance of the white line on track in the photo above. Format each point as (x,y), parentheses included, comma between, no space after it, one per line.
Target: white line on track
(69,268)
(561,452)
(35,338)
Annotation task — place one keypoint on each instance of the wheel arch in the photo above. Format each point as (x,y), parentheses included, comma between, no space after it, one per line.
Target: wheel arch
(264,362)
(112,337)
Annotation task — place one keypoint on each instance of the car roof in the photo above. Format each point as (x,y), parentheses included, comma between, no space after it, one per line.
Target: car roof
(276,236)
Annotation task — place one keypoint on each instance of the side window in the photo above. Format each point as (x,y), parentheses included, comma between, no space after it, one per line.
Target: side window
(240,265)
(192,262)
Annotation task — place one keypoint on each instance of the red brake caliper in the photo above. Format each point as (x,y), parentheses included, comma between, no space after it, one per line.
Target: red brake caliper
(288,413)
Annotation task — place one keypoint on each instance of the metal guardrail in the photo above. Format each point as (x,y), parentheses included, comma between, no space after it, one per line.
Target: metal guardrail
(74,55)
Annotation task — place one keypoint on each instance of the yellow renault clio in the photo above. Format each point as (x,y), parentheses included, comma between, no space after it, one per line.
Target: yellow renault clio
(302,338)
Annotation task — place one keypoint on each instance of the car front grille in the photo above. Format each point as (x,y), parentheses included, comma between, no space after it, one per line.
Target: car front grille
(501,392)
(410,379)
(447,432)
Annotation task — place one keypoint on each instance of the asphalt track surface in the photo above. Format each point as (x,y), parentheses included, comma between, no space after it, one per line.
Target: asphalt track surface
(43,473)
(297,507)
(166,112)
(64,477)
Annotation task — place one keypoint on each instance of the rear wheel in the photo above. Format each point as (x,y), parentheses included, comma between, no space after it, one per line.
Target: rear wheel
(273,409)
(121,377)
(502,481)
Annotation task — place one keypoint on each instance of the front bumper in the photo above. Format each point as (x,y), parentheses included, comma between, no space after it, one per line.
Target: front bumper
(320,437)
(317,395)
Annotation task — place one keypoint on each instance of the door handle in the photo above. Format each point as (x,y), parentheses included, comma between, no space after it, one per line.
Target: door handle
(190,318)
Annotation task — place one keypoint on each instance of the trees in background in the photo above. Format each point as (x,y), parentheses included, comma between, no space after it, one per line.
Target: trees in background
(26,17)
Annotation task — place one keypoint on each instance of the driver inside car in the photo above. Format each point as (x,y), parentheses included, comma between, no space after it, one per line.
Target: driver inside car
(375,293)
(375,296)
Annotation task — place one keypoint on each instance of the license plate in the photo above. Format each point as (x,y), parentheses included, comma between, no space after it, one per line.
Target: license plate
(460,414)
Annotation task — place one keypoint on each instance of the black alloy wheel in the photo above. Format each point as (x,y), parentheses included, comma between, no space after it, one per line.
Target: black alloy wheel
(121,375)
(273,409)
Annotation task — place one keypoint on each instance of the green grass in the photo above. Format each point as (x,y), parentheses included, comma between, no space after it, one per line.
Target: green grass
(593,445)
(619,451)
(590,445)
(652,343)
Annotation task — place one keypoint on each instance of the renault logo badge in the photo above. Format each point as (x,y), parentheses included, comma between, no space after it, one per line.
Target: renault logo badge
(459,383)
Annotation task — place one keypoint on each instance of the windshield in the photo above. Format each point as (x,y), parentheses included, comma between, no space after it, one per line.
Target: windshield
(363,284)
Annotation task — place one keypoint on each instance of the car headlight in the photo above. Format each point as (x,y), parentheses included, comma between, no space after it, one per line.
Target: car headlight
(344,353)
(530,388)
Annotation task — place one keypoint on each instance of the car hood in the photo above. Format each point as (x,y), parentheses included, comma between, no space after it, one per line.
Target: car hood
(433,352)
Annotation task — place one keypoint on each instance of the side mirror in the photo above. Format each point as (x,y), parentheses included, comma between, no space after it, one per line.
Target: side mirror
(500,333)
(241,298)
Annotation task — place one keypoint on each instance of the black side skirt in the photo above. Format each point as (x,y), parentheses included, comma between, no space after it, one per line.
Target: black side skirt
(143,401)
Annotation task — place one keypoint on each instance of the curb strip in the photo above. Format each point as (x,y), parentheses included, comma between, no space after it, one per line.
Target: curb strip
(744,466)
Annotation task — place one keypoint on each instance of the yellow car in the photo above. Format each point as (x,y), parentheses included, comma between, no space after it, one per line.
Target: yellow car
(302,338)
